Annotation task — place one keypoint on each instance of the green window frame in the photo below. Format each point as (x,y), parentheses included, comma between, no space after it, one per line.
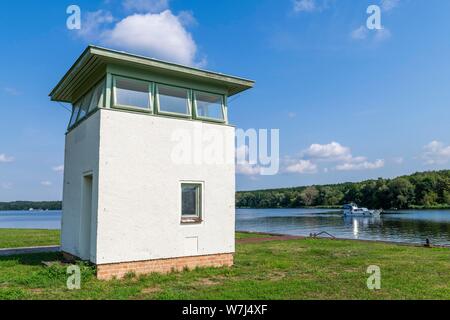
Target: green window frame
(188,114)
(191,201)
(84,107)
(87,104)
(75,112)
(149,91)
(97,96)
(222,107)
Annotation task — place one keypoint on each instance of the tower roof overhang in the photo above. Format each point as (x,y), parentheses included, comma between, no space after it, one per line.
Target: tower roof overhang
(95,58)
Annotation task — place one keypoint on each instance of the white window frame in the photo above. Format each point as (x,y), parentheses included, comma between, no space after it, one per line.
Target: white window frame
(129,107)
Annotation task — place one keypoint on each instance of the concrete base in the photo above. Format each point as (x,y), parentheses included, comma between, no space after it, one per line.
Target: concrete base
(119,270)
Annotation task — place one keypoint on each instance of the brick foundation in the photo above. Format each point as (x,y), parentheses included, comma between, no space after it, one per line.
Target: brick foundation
(119,270)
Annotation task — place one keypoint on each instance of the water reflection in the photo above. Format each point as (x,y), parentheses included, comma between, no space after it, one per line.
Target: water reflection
(403,226)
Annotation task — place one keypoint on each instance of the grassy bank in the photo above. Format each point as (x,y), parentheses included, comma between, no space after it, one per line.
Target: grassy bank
(290,269)
(14,238)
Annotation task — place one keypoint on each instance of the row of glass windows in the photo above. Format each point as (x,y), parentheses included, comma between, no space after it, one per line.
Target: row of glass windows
(147,96)
(171,100)
(88,103)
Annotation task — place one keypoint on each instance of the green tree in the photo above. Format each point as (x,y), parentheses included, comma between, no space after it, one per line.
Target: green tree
(401,193)
(309,196)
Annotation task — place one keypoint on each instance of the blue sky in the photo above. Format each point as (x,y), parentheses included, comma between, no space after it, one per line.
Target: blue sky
(350,103)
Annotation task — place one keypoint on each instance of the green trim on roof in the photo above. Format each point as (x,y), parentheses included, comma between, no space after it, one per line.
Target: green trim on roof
(94,59)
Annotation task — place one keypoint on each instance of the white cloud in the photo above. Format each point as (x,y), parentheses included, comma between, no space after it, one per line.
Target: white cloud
(93,24)
(12,91)
(359,33)
(436,152)
(304,5)
(311,5)
(365,165)
(382,34)
(333,151)
(302,166)
(241,153)
(59,168)
(4,158)
(6,185)
(146,6)
(151,30)
(341,155)
(292,115)
(398,160)
(242,165)
(46,183)
(248,169)
(160,35)
(378,35)
(187,18)
(387,5)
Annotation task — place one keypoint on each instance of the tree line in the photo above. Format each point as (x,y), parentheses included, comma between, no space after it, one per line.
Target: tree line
(429,189)
(26,205)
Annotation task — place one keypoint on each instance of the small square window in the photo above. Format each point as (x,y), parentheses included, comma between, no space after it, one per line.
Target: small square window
(191,202)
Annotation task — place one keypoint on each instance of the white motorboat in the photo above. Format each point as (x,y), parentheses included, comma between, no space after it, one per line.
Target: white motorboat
(353,210)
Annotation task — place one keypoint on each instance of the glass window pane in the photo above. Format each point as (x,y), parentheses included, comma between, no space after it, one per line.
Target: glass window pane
(97,98)
(209,105)
(132,93)
(75,111)
(86,101)
(190,203)
(173,99)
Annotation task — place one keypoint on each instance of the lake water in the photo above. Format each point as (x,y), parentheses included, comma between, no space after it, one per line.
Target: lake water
(30,219)
(412,226)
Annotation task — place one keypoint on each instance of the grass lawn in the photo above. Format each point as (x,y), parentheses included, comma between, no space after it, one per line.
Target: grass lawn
(14,238)
(290,269)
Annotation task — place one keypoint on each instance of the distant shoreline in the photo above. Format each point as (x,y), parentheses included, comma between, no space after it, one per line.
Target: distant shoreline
(27,205)
(318,207)
(340,208)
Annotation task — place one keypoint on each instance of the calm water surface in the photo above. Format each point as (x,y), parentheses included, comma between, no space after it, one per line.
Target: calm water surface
(402,226)
(412,226)
(30,219)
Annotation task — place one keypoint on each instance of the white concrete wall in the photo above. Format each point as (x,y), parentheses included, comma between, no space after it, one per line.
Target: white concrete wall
(139,191)
(81,157)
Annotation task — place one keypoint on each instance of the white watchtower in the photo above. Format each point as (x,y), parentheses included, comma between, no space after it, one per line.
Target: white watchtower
(149,164)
